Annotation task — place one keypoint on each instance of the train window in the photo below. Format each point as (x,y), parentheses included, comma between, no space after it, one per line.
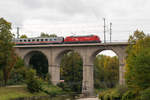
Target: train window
(50,39)
(24,40)
(37,39)
(46,39)
(41,39)
(33,39)
(20,40)
(29,40)
(54,39)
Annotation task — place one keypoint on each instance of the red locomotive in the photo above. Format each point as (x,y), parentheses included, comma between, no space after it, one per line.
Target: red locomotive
(58,40)
(82,39)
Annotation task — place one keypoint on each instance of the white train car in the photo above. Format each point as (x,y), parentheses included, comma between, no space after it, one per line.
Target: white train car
(38,41)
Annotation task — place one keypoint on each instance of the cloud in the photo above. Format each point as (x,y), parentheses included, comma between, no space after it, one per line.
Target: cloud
(10,10)
(69,14)
(33,4)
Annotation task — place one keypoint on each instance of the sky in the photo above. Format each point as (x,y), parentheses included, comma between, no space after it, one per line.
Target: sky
(77,17)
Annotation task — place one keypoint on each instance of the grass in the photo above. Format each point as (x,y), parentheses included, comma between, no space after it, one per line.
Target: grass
(7,93)
(52,90)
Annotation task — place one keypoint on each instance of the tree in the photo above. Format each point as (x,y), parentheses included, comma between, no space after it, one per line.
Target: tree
(7,55)
(47,35)
(137,35)
(71,71)
(11,63)
(106,71)
(138,65)
(23,36)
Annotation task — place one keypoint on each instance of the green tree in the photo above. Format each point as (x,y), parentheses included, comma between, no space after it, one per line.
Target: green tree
(7,55)
(71,71)
(20,73)
(106,71)
(11,63)
(23,36)
(137,65)
(137,35)
(47,35)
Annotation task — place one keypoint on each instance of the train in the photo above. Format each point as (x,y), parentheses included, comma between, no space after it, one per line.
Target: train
(57,40)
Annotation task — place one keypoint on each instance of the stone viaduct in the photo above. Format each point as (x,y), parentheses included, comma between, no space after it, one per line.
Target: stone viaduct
(88,52)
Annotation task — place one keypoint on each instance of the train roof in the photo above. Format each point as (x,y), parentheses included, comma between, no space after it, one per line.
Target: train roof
(83,36)
(38,38)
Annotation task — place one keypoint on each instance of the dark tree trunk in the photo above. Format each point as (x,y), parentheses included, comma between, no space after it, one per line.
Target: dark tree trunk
(5,76)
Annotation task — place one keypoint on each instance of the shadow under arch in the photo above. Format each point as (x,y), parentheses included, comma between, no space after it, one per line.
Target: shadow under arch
(38,61)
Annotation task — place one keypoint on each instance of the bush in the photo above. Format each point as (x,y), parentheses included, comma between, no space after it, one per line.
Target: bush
(105,95)
(48,78)
(20,75)
(145,94)
(101,95)
(129,95)
(122,89)
(16,79)
(34,84)
(64,86)
(30,73)
(52,90)
(113,94)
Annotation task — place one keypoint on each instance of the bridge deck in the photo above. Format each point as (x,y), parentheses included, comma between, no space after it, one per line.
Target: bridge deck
(74,45)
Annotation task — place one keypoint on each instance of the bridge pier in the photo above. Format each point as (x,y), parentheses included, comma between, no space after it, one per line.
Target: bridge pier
(54,71)
(121,74)
(88,81)
(122,57)
(26,60)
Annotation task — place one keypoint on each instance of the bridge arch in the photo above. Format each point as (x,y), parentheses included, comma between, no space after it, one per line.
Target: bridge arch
(90,55)
(100,70)
(61,54)
(96,52)
(38,61)
(71,64)
(29,54)
(56,61)
(120,53)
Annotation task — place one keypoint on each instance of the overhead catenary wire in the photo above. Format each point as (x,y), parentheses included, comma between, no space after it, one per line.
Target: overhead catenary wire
(114,30)
(128,29)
